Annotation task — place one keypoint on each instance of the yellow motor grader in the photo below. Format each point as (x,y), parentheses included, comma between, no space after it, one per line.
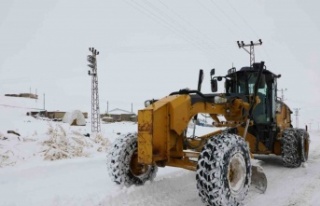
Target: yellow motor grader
(248,119)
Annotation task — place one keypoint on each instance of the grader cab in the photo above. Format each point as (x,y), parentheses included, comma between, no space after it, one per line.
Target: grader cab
(255,122)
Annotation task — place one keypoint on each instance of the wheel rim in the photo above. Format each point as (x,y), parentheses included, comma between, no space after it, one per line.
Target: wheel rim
(136,168)
(236,173)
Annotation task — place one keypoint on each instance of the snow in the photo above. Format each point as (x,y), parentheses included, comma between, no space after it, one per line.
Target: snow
(28,179)
(77,115)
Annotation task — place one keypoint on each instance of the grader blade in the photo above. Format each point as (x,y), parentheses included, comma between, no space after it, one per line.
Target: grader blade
(258,179)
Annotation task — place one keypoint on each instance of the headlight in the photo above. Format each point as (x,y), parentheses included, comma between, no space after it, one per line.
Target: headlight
(147,103)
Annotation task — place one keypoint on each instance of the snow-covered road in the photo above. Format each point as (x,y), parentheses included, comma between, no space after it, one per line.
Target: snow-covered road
(84,181)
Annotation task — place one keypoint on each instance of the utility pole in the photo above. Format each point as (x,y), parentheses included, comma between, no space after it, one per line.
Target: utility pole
(310,124)
(251,50)
(95,111)
(44,101)
(282,93)
(296,114)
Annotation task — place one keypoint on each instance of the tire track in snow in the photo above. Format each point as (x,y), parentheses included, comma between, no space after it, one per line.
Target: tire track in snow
(291,186)
(310,187)
(314,154)
(178,190)
(303,197)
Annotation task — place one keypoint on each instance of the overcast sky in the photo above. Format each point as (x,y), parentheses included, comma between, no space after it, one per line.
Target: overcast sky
(150,48)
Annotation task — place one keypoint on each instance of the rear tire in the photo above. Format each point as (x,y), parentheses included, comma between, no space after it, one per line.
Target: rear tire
(291,148)
(304,139)
(122,162)
(224,170)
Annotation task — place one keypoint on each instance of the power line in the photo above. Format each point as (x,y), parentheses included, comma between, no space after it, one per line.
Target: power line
(213,15)
(155,48)
(158,18)
(228,17)
(173,21)
(187,22)
(243,19)
(203,39)
(248,25)
(181,26)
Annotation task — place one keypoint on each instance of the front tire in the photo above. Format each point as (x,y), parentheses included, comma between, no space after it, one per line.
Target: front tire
(224,170)
(122,162)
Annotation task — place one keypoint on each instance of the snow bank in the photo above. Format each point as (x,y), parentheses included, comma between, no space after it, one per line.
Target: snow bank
(15,148)
(58,143)
(6,157)
(63,144)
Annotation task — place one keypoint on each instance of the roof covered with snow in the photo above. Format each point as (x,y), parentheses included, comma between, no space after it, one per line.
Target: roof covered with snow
(118,111)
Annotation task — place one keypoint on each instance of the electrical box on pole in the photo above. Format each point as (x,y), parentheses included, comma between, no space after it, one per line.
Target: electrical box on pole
(95,111)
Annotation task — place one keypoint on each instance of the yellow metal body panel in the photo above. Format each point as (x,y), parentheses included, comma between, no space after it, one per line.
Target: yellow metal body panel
(252,141)
(277,148)
(283,118)
(157,135)
(179,110)
(145,136)
(183,163)
(162,126)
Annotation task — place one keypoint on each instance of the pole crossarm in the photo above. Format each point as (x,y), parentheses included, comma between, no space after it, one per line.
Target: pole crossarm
(251,50)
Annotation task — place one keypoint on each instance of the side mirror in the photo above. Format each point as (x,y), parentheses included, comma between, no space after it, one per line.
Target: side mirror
(214,85)
(212,72)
